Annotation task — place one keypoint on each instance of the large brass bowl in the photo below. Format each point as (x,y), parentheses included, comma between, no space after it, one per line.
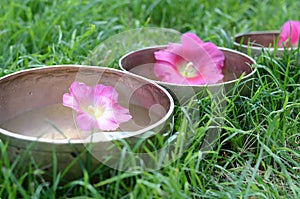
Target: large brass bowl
(38,128)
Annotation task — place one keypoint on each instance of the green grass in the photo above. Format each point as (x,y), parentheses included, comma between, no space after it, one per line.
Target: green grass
(257,154)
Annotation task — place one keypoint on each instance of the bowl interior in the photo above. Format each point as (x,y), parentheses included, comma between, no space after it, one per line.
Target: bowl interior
(142,63)
(31,101)
(257,39)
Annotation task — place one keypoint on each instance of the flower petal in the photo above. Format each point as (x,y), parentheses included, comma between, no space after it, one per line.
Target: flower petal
(192,49)
(175,49)
(106,91)
(167,73)
(216,55)
(122,113)
(69,101)
(97,107)
(83,94)
(108,121)
(171,58)
(85,121)
(206,57)
(290,33)
(105,96)
(192,36)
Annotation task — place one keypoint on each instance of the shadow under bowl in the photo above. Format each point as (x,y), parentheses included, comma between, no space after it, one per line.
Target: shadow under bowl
(33,118)
(237,68)
(256,42)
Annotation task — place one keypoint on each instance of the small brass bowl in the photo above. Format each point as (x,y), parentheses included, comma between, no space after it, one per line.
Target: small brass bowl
(237,65)
(256,42)
(33,119)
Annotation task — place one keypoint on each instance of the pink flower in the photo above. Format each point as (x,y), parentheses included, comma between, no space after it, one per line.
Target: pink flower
(97,106)
(190,62)
(290,34)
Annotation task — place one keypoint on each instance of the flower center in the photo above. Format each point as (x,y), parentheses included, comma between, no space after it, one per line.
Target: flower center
(95,111)
(188,70)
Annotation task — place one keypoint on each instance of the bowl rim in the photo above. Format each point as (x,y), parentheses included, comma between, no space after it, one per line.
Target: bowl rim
(255,47)
(119,135)
(192,85)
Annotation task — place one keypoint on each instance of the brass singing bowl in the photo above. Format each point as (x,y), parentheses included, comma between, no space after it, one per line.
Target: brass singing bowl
(238,67)
(150,105)
(257,42)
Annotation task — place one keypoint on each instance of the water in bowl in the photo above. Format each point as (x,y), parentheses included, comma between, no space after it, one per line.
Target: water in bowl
(58,122)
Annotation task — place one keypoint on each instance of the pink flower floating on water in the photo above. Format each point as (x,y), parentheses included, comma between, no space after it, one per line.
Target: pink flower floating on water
(97,106)
(190,62)
(290,34)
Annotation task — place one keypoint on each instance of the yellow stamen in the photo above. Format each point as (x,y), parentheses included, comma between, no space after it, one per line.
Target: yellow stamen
(188,70)
(95,111)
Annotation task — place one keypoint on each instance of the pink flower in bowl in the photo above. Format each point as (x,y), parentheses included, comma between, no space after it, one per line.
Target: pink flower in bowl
(290,34)
(97,106)
(191,62)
